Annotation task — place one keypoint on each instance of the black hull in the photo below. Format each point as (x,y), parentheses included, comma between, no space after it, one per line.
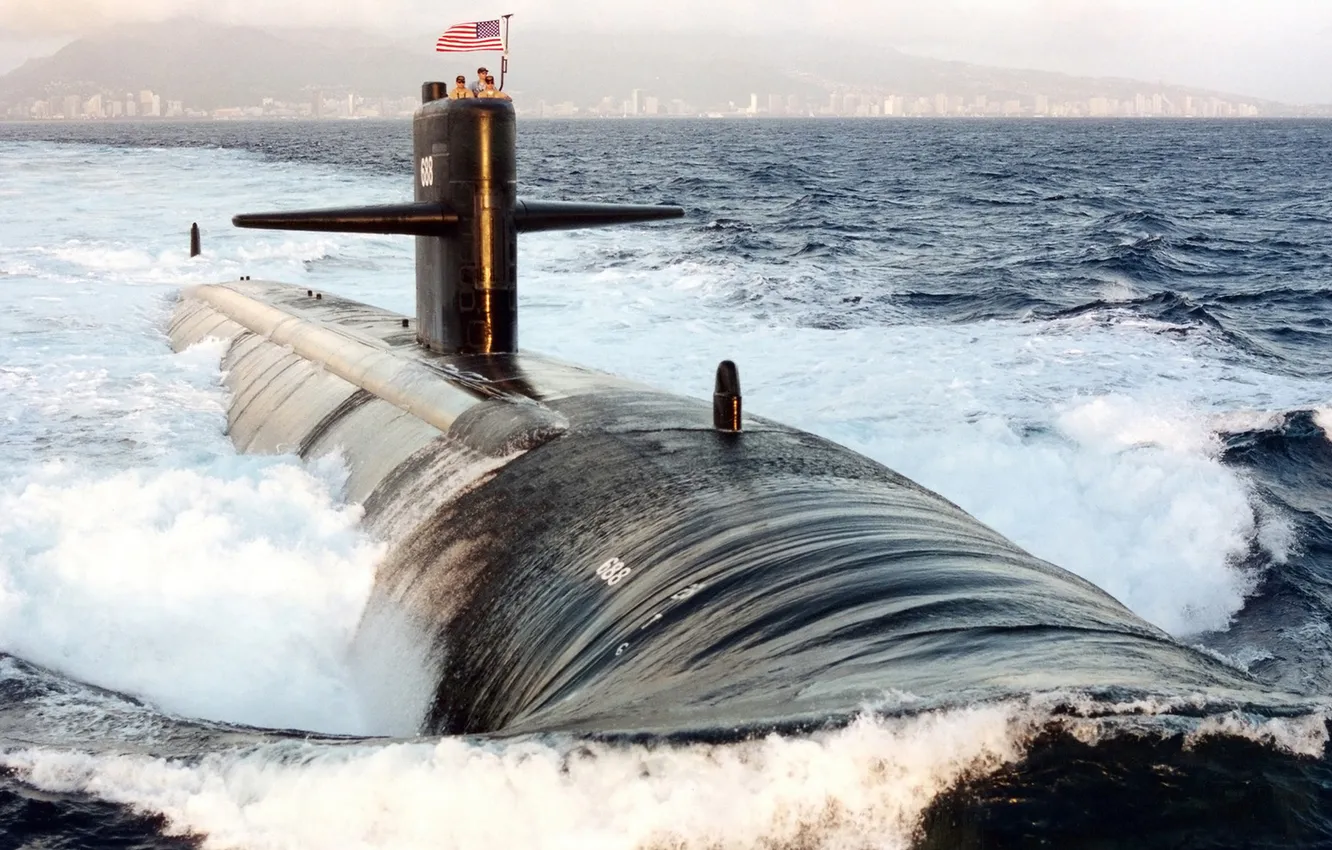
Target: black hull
(572,552)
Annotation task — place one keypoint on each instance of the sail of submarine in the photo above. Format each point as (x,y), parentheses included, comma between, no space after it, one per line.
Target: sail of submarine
(574,552)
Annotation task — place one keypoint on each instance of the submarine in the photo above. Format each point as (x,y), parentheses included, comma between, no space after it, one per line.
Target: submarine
(573,552)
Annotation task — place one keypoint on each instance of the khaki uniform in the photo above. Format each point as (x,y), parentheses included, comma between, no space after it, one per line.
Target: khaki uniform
(460,92)
(493,93)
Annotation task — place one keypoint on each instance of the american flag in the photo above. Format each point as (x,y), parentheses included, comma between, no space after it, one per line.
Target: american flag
(474,35)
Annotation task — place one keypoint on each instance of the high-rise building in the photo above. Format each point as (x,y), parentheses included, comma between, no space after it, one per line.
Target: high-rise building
(651,105)
(636,102)
(1042,105)
(72,107)
(753,103)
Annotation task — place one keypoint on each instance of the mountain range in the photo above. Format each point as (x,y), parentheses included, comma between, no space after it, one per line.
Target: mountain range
(209,66)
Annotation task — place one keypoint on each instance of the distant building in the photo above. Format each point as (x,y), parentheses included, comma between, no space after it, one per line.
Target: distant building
(150,105)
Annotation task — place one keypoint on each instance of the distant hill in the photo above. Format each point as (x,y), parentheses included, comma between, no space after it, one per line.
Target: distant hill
(209,66)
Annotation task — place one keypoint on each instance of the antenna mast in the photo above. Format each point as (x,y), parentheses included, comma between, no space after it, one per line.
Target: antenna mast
(504,57)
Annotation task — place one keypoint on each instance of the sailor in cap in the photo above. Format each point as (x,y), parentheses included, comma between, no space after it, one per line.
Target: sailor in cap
(491,91)
(460,89)
(480,84)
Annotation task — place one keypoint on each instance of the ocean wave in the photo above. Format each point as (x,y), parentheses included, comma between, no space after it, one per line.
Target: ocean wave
(929,779)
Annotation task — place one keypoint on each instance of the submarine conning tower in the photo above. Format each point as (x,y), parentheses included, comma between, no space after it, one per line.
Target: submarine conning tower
(466,218)
(573,552)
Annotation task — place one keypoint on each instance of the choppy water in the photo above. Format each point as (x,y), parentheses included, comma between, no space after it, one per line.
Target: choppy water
(1105,340)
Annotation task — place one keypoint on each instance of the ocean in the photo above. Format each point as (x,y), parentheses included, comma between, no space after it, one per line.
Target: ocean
(1106,340)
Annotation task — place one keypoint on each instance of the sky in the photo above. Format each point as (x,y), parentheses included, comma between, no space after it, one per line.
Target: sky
(1277,49)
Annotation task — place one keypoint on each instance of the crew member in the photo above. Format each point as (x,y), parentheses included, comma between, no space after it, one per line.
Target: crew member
(491,91)
(480,84)
(460,89)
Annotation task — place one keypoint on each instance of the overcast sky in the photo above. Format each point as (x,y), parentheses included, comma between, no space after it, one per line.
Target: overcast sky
(1280,49)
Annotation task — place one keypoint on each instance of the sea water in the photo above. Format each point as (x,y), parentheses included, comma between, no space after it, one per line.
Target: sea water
(1106,340)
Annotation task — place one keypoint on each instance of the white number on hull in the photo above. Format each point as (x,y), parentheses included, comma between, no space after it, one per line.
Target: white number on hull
(613,572)
(427,171)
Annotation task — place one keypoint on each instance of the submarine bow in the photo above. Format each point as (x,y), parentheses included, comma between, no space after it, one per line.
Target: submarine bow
(572,551)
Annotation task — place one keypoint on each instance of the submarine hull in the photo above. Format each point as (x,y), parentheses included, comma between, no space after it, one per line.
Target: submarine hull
(570,551)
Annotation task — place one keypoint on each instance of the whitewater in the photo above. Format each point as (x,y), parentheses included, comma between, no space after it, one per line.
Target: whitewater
(160,594)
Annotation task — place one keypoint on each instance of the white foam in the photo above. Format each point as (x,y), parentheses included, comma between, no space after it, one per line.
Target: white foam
(863,786)
(1305,735)
(1323,419)
(866,785)
(228,594)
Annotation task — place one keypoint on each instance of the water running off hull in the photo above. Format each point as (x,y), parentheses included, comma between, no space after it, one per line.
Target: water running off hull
(575,552)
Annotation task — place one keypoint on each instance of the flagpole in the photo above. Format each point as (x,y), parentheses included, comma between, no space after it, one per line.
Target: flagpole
(504,57)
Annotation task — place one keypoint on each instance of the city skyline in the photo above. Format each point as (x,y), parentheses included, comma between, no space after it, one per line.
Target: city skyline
(194,71)
(147,104)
